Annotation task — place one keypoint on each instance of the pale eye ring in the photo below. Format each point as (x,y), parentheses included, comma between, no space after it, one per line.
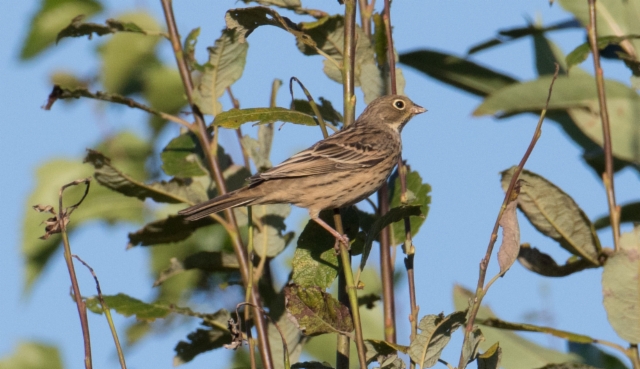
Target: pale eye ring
(399,104)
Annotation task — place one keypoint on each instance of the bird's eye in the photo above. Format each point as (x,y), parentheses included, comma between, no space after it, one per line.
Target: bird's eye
(399,104)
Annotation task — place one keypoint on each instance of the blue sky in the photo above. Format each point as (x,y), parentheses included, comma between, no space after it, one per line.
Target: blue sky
(459,155)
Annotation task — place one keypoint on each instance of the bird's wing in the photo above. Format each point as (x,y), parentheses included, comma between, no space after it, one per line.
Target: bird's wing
(342,151)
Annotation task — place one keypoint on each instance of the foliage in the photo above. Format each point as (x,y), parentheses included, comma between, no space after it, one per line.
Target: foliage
(189,258)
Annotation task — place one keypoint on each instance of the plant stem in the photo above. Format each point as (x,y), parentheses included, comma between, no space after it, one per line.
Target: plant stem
(245,154)
(348,61)
(346,277)
(201,131)
(77,296)
(365,16)
(484,263)
(607,176)
(107,314)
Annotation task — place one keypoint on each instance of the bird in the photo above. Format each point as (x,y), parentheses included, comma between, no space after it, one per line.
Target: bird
(336,172)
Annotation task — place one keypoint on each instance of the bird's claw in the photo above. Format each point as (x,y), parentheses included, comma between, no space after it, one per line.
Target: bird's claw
(345,240)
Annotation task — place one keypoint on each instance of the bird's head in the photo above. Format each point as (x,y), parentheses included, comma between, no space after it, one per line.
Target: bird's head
(392,110)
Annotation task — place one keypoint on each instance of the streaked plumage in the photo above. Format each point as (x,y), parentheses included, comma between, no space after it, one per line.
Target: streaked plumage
(338,171)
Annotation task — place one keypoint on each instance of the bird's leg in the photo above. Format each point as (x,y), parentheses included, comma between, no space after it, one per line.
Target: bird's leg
(339,237)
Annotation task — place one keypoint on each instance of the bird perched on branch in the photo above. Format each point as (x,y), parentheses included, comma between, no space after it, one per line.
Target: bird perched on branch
(336,172)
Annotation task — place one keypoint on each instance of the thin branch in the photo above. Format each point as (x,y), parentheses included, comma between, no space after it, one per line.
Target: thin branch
(345,279)
(484,263)
(214,168)
(245,154)
(63,218)
(107,313)
(312,102)
(59,93)
(607,176)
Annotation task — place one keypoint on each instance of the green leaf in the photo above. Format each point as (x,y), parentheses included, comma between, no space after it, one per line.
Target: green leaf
(164,91)
(472,345)
(328,112)
(214,336)
(260,150)
(620,287)
(268,237)
(517,352)
(51,17)
(167,230)
(100,204)
(575,91)
(189,50)
(392,216)
(457,72)
(183,157)
(290,334)
(246,20)
(592,355)
(614,18)
(577,95)
(210,261)
(435,333)
(174,191)
(490,359)
(417,194)
(547,55)
(629,213)
(543,264)
(508,35)
(328,35)
(128,306)
(376,348)
(315,311)
(78,28)
(226,63)
(580,53)
(523,327)
(127,56)
(315,262)
(556,215)
(234,118)
(33,355)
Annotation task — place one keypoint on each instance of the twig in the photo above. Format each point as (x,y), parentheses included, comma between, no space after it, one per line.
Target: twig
(365,15)
(200,129)
(607,176)
(484,263)
(285,351)
(59,93)
(349,99)
(252,354)
(245,154)
(314,106)
(63,217)
(107,313)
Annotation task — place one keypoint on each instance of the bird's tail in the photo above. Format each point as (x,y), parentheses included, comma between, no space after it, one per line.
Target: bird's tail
(232,199)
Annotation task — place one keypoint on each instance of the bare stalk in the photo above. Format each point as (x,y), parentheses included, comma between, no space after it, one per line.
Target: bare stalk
(107,314)
(245,154)
(63,218)
(345,279)
(199,127)
(607,176)
(484,263)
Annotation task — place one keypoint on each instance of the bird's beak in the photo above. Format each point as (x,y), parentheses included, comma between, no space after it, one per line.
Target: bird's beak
(417,109)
